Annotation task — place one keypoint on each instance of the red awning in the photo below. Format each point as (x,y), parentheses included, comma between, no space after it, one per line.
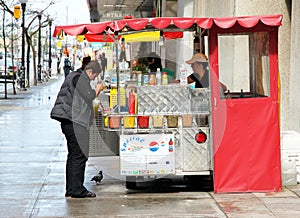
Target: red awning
(168,22)
(100,37)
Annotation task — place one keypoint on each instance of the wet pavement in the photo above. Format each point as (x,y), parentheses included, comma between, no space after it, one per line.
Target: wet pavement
(32,175)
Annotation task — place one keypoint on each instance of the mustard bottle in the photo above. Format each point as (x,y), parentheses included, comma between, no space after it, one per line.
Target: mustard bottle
(164,79)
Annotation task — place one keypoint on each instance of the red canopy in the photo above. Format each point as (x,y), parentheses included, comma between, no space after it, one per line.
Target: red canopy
(167,22)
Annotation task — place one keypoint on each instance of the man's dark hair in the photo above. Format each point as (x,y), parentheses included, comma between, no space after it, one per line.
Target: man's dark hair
(94,66)
(86,60)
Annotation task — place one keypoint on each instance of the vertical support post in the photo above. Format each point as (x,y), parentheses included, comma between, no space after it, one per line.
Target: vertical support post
(22,79)
(50,56)
(39,51)
(117,70)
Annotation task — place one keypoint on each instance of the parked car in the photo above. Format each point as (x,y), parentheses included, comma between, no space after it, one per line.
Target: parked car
(11,70)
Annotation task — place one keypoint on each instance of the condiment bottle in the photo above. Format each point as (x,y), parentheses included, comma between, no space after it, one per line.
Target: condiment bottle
(158,77)
(152,79)
(164,79)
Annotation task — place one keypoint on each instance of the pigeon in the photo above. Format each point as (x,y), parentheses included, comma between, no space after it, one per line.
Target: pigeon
(97,178)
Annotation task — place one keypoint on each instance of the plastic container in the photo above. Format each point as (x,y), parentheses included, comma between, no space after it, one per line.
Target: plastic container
(143,121)
(96,103)
(158,77)
(187,120)
(183,75)
(158,121)
(106,121)
(164,80)
(129,122)
(146,79)
(152,79)
(132,103)
(201,120)
(172,121)
(139,77)
(114,121)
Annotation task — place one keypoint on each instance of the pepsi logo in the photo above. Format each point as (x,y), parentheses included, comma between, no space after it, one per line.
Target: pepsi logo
(153,146)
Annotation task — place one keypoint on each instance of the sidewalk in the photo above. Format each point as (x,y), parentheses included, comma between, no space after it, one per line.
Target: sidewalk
(32,175)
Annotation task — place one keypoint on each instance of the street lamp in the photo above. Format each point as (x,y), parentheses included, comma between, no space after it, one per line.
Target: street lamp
(22,79)
(39,50)
(50,57)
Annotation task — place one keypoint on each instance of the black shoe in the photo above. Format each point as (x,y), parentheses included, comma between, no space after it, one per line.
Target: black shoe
(67,195)
(87,194)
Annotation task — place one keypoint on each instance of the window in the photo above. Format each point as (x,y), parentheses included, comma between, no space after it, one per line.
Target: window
(244,64)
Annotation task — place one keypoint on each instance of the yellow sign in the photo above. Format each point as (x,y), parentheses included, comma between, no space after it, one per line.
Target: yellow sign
(59,44)
(142,37)
(17,11)
(80,38)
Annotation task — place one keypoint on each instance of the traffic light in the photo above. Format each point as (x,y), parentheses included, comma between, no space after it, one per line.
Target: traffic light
(17,11)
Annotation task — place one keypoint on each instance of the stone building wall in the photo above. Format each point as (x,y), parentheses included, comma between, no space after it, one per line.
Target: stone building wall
(294,85)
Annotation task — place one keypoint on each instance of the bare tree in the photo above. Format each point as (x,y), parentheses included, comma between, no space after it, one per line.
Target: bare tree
(30,30)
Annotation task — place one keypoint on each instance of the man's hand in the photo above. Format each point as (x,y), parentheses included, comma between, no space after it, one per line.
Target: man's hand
(99,87)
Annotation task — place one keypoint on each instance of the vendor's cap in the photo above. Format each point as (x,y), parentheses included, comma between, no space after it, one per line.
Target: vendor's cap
(197,58)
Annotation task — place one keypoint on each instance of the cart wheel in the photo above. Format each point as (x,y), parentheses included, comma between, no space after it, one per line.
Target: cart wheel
(131,182)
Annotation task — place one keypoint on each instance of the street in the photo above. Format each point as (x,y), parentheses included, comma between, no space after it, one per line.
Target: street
(32,181)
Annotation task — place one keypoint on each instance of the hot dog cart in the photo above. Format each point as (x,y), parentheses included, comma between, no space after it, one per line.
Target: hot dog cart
(173,129)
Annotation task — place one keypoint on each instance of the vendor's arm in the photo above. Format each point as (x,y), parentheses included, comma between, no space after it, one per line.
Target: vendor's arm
(224,88)
(191,78)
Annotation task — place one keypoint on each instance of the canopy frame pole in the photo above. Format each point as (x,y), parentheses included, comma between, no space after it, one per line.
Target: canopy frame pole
(117,71)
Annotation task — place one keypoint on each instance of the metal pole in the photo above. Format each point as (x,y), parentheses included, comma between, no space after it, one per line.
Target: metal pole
(22,79)
(117,71)
(39,51)
(50,56)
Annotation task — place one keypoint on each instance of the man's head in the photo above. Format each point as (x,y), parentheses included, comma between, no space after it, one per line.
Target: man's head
(199,63)
(92,69)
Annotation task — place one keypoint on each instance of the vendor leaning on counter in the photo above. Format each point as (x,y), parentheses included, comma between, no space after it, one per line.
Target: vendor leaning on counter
(154,62)
(199,64)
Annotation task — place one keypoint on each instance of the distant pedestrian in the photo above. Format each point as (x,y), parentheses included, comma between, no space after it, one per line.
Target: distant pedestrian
(123,51)
(103,64)
(58,64)
(73,108)
(66,64)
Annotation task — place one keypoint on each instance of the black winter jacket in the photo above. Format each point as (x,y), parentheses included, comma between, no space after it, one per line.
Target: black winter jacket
(75,100)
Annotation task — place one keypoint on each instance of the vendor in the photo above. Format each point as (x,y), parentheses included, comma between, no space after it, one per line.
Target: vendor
(199,64)
(154,62)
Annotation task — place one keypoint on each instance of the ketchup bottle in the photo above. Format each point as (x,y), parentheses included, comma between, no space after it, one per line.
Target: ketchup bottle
(131,103)
(171,145)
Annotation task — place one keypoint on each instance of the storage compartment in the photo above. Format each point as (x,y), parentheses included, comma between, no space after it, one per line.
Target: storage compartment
(129,122)
(187,120)
(106,121)
(201,119)
(143,121)
(114,121)
(172,121)
(158,121)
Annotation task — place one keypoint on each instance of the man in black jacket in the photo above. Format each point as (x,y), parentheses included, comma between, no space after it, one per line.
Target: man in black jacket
(73,108)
